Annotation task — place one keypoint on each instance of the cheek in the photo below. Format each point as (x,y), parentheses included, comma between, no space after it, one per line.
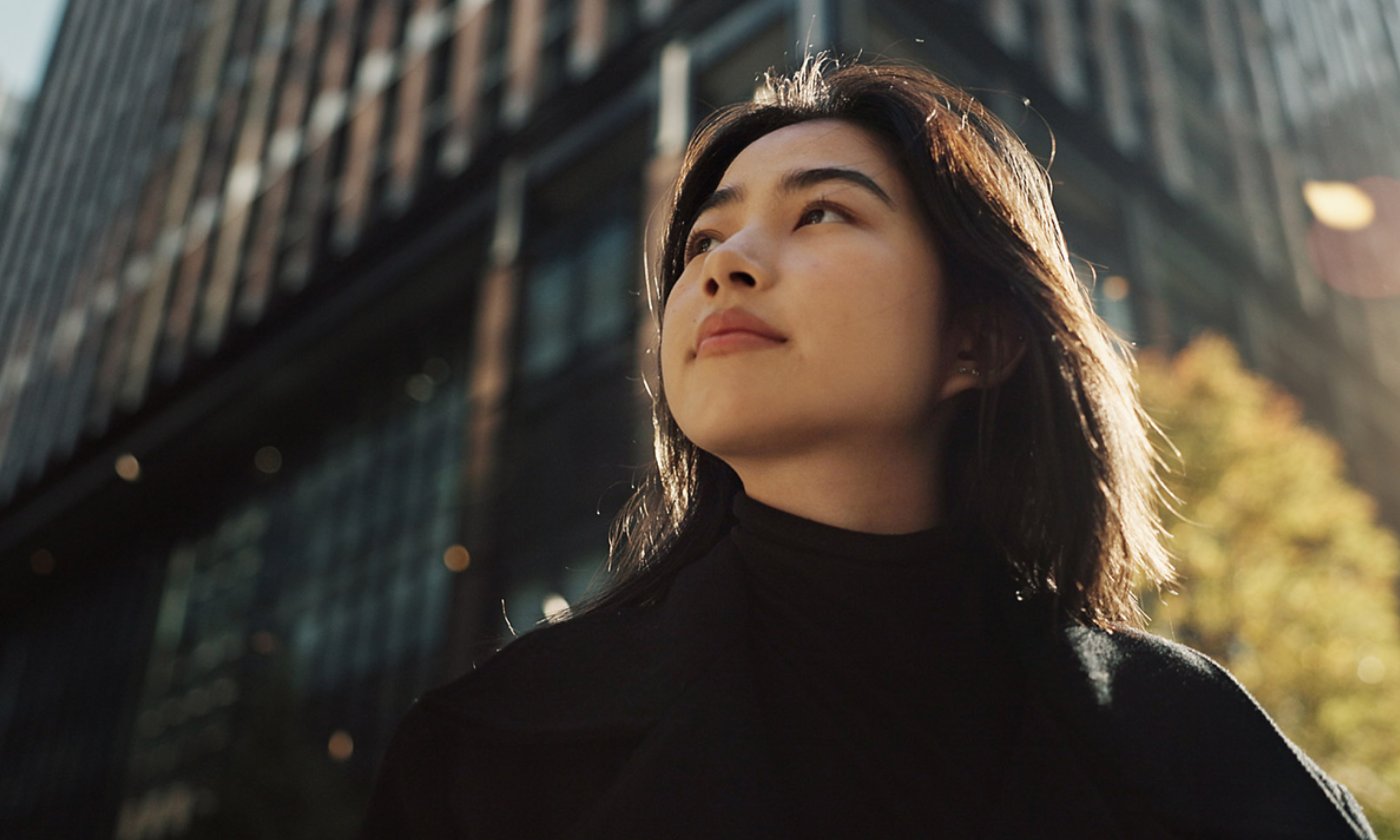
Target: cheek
(883,344)
(876,292)
(673,338)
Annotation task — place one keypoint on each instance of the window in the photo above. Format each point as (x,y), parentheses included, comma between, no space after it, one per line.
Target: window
(578,295)
(548,343)
(609,277)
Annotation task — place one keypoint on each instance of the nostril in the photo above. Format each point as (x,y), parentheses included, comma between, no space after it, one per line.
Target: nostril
(712,284)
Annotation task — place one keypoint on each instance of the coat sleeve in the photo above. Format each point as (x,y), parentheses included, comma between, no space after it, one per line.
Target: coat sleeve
(1200,748)
(409,798)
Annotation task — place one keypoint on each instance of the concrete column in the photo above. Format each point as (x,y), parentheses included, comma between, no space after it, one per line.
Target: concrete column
(812,23)
(490,373)
(673,126)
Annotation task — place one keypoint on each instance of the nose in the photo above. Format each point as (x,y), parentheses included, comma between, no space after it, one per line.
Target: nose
(729,265)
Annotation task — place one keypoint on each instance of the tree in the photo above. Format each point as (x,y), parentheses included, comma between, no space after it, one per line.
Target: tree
(1286,577)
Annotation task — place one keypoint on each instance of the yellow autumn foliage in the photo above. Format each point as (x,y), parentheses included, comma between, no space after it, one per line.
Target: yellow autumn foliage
(1286,577)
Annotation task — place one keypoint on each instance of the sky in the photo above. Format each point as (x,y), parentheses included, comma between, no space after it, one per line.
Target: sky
(27,28)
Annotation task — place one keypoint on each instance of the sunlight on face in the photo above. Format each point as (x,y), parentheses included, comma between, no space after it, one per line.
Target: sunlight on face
(814,230)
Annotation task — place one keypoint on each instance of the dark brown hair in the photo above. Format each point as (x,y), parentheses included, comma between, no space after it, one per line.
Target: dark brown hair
(1053,466)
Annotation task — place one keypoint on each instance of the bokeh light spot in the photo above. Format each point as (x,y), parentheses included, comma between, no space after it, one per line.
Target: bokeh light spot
(128,467)
(1339,204)
(340,746)
(268,460)
(419,387)
(1370,670)
(554,606)
(1115,287)
(1362,261)
(456,558)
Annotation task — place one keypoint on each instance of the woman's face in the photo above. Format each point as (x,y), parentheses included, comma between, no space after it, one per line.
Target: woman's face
(813,230)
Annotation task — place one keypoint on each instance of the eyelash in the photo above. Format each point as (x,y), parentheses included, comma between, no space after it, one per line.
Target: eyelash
(692,244)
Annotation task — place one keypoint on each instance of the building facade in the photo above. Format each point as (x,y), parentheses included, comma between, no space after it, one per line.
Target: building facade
(13,109)
(322,324)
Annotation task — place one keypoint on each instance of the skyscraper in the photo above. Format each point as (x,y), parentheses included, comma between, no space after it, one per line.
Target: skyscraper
(13,109)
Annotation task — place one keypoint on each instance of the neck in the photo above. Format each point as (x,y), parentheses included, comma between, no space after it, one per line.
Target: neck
(877,491)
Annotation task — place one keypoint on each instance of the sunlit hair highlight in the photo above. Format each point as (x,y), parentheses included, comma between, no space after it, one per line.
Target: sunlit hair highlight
(1053,467)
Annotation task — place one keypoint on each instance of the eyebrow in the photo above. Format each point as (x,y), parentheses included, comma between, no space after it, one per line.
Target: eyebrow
(799,179)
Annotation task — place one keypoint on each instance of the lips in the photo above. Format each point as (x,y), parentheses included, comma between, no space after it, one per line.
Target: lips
(735,320)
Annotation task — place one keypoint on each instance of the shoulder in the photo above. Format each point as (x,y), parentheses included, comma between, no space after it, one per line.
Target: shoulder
(1111,666)
(607,671)
(591,672)
(1175,719)
(525,738)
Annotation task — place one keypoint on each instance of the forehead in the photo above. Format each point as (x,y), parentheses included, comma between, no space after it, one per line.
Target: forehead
(810,144)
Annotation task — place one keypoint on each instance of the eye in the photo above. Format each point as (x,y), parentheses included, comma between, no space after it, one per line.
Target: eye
(822,212)
(698,243)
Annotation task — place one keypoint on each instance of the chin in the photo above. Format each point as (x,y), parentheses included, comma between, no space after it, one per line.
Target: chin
(748,441)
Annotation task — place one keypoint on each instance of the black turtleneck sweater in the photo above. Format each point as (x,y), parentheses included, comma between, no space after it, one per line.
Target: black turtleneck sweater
(889,693)
(876,698)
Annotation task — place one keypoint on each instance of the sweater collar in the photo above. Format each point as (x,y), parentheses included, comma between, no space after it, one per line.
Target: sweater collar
(763,526)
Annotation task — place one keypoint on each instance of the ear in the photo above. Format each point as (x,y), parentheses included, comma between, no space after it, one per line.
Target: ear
(984,349)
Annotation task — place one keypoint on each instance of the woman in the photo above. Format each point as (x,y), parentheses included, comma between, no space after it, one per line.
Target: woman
(880,581)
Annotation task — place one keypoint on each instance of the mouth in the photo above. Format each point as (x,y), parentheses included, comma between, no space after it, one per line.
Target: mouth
(735,328)
(735,341)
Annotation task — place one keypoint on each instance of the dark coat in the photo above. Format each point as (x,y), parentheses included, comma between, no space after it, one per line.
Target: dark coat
(645,724)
